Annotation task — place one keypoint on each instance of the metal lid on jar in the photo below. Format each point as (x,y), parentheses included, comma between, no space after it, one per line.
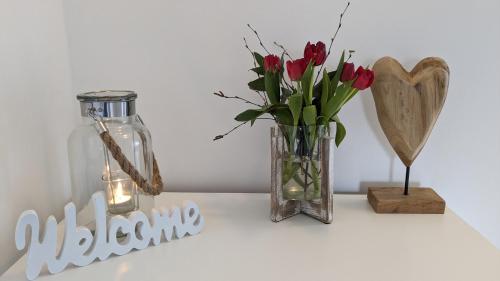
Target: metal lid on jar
(108,103)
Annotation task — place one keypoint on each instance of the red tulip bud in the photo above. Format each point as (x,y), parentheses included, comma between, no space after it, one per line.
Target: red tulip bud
(272,63)
(315,52)
(296,68)
(347,72)
(364,78)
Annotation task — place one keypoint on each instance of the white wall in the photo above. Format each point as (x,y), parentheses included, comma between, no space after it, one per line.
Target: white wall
(34,115)
(175,53)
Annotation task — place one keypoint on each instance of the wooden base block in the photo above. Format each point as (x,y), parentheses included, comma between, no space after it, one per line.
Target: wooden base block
(422,200)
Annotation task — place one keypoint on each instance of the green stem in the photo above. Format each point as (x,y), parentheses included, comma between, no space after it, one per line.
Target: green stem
(299,181)
(289,170)
(302,175)
(315,176)
(305,179)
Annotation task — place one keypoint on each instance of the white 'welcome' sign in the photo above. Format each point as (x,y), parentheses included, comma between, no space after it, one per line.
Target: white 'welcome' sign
(81,248)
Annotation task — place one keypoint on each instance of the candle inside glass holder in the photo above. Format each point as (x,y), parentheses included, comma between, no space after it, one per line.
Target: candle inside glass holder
(121,196)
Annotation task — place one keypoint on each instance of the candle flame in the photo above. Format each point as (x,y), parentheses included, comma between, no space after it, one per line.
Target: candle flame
(119,195)
(119,190)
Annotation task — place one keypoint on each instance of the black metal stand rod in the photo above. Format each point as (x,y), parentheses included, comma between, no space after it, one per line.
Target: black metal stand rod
(407,178)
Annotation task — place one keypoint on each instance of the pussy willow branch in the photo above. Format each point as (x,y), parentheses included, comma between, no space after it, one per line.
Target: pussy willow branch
(263,97)
(284,84)
(350,55)
(285,52)
(258,38)
(283,49)
(267,51)
(331,41)
(221,94)
(251,53)
(338,28)
(218,137)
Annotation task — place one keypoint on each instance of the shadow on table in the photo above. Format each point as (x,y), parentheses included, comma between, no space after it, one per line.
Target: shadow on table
(364,185)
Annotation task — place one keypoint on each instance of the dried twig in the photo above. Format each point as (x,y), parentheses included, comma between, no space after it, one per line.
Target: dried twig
(350,55)
(258,38)
(285,52)
(251,53)
(263,97)
(218,137)
(221,94)
(331,40)
(283,49)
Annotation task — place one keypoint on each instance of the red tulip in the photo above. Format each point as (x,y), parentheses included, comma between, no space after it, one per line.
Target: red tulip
(272,63)
(347,72)
(316,53)
(296,68)
(364,78)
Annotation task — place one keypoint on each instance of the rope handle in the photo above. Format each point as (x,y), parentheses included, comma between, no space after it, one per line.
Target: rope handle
(153,188)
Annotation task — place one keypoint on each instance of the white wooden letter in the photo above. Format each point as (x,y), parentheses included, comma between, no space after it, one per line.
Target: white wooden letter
(81,248)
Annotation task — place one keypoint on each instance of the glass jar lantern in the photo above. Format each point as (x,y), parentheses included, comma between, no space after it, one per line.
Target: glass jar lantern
(92,165)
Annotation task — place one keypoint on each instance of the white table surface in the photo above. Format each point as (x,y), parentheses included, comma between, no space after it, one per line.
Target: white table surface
(239,242)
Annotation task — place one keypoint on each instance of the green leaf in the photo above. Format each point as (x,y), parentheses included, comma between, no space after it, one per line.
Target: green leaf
(336,102)
(259,59)
(318,87)
(321,120)
(272,86)
(340,133)
(280,111)
(309,115)
(290,169)
(325,92)
(249,114)
(353,92)
(295,104)
(283,115)
(285,93)
(335,80)
(282,62)
(257,84)
(259,70)
(334,118)
(307,83)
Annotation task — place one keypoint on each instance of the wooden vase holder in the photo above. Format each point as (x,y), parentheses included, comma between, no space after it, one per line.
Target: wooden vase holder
(281,208)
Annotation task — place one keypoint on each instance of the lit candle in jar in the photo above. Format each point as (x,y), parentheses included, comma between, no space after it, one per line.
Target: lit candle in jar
(119,196)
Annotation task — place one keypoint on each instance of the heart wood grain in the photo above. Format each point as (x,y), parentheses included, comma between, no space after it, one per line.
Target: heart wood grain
(408,103)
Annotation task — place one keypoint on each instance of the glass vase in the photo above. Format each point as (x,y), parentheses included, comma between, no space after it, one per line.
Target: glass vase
(301,172)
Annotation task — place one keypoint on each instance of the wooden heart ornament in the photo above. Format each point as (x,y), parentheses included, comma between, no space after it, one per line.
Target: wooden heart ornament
(408,103)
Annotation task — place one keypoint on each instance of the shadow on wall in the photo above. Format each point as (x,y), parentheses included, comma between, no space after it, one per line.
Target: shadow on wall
(364,185)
